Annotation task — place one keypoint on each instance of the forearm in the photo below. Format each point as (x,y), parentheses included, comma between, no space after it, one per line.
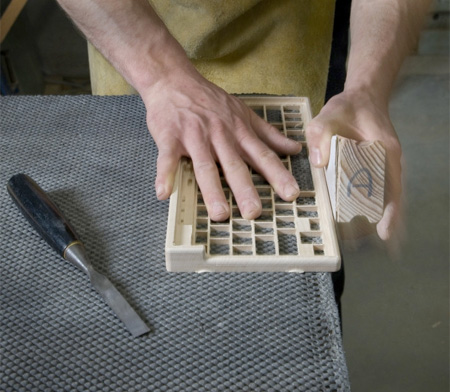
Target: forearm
(383,33)
(132,37)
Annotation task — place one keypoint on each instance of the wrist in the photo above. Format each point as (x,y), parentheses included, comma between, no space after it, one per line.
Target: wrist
(364,91)
(162,62)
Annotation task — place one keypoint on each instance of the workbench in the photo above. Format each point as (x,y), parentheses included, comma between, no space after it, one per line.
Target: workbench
(254,332)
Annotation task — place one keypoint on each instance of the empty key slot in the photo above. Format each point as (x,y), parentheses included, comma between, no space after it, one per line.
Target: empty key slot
(263,228)
(265,246)
(306,201)
(279,200)
(285,222)
(236,213)
(292,117)
(318,250)
(314,224)
(294,126)
(274,115)
(265,217)
(287,244)
(201,237)
(202,224)
(310,238)
(242,225)
(242,238)
(219,231)
(266,203)
(301,170)
(307,212)
(259,180)
(264,191)
(200,200)
(283,209)
(242,250)
(219,247)
(291,109)
(201,211)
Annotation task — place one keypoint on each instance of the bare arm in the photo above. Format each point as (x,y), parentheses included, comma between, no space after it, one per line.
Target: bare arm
(383,32)
(186,114)
(131,36)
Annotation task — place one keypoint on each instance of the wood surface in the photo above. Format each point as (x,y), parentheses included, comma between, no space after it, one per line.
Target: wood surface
(357,189)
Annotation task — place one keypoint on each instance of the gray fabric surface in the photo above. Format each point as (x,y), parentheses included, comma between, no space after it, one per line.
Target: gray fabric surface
(210,332)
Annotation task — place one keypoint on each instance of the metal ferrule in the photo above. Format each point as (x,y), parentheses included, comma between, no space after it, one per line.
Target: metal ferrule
(75,254)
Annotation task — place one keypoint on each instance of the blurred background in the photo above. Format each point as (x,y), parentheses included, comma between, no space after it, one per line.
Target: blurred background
(395,312)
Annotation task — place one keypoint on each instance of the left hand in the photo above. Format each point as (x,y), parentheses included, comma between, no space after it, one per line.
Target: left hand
(357,115)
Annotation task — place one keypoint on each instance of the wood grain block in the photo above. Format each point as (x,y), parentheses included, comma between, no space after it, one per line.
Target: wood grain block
(355,177)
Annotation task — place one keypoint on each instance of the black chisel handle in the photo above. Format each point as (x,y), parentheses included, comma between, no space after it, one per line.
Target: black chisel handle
(41,212)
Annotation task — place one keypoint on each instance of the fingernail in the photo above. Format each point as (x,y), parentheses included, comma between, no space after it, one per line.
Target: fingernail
(291,190)
(249,208)
(160,190)
(218,210)
(314,156)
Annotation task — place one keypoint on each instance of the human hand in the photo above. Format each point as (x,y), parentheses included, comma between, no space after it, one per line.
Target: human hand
(358,116)
(189,116)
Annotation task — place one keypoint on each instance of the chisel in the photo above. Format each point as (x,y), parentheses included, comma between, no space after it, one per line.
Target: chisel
(50,223)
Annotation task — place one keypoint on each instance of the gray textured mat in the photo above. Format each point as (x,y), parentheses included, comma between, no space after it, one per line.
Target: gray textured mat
(210,332)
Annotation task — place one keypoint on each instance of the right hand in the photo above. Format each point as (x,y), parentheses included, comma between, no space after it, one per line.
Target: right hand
(189,116)
(360,116)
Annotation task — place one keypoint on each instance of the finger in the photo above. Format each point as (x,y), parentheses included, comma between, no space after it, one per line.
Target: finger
(273,138)
(208,180)
(386,224)
(166,167)
(393,191)
(318,136)
(269,165)
(238,177)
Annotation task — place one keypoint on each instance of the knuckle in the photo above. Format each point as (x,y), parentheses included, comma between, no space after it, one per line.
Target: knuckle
(217,123)
(246,138)
(204,167)
(233,165)
(248,191)
(314,129)
(267,156)
(165,154)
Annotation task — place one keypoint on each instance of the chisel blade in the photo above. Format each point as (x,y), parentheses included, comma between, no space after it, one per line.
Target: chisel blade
(118,304)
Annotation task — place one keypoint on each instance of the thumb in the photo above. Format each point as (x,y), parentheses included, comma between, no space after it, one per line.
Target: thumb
(166,167)
(318,136)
